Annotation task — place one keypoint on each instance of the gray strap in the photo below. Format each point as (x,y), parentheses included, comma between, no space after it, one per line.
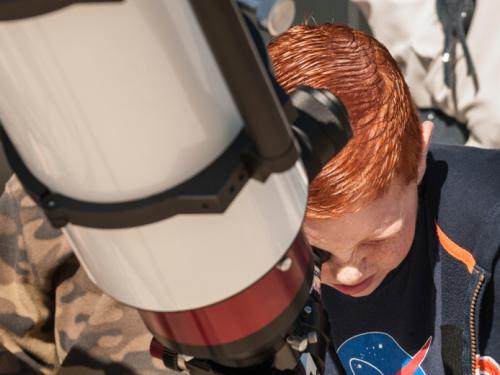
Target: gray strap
(456,16)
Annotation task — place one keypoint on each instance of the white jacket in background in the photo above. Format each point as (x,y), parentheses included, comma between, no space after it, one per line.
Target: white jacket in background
(412,32)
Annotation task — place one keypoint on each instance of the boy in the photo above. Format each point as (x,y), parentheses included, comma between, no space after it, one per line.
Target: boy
(411,286)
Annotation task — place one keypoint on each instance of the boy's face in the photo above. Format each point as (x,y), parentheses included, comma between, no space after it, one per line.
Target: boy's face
(368,244)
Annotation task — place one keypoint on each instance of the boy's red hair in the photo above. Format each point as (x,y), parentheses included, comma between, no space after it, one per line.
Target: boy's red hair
(386,138)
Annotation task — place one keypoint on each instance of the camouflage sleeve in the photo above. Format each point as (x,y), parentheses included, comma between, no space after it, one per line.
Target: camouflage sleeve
(26,306)
(53,319)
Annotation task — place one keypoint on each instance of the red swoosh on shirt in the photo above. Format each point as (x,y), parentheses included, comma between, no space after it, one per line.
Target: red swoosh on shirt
(487,365)
(417,360)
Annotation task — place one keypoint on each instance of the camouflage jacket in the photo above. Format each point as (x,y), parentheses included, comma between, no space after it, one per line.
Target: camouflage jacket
(53,319)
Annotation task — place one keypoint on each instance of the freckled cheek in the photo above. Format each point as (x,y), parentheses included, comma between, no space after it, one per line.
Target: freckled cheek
(391,256)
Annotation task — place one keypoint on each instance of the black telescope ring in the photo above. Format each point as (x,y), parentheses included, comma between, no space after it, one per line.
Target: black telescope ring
(210,191)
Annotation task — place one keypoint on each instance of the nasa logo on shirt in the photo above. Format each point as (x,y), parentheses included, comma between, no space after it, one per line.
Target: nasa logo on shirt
(377,353)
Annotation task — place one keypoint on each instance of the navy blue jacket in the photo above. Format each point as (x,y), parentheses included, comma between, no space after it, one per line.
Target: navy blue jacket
(461,191)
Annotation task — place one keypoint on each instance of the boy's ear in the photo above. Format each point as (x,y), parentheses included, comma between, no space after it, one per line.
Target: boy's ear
(426,133)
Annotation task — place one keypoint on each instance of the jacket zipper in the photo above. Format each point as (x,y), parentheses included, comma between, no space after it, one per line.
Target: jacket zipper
(472,322)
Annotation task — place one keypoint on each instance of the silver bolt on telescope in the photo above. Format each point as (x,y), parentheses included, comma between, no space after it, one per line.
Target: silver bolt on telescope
(273,16)
(160,143)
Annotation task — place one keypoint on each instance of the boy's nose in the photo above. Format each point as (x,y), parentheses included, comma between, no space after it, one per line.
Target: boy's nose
(349,275)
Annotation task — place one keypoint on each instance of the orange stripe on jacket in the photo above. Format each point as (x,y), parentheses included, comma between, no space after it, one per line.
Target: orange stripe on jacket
(455,250)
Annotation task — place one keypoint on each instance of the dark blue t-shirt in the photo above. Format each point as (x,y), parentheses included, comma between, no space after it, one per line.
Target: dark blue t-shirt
(393,328)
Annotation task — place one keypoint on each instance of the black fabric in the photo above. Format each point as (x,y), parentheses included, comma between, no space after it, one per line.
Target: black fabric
(398,318)
(452,340)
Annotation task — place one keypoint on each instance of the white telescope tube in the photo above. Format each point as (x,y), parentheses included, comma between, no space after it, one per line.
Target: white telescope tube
(116,102)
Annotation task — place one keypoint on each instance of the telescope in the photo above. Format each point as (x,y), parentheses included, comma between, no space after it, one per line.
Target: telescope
(153,133)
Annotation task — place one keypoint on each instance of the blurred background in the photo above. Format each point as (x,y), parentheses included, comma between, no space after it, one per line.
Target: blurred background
(323,11)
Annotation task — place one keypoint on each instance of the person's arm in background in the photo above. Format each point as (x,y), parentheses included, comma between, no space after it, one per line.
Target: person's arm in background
(53,319)
(27,308)
(482,109)
(413,33)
